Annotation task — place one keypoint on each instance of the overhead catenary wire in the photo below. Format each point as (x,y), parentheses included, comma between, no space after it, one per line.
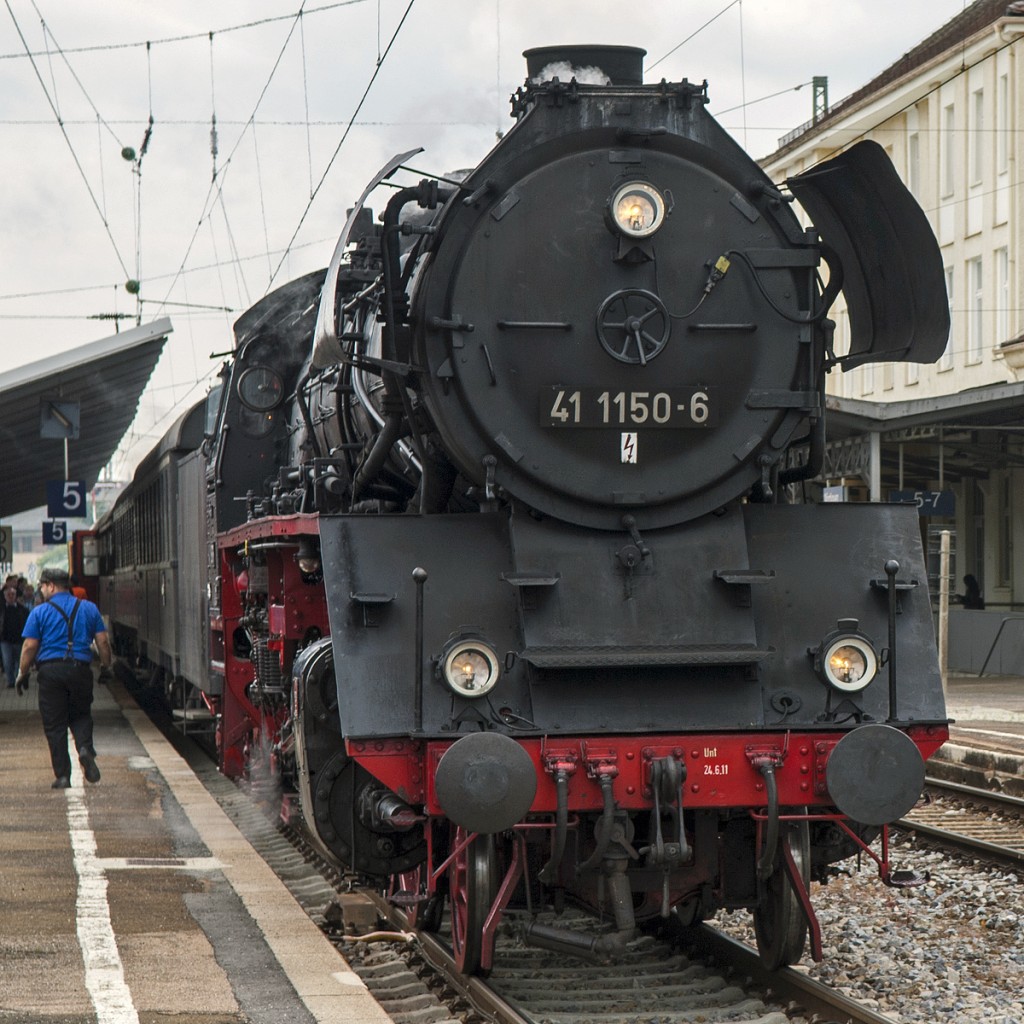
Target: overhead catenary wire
(263,204)
(56,49)
(717,114)
(696,32)
(137,174)
(337,150)
(133,438)
(498,133)
(67,140)
(187,37)
(251,121)
(240,283)
(232,200)
(219,263)
(49,59)
(861,133)
(99,155)
(274,122)
(191,332)
(743,79)
(217,183)
(198,269)
(305,100)
(213,116)
(306,123)
(62,53)
(236,261)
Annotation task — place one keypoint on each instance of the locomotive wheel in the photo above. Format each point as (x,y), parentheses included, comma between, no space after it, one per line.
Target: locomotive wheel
(779,922)
(472,885)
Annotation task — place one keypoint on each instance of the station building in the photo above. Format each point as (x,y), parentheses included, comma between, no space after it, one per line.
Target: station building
(948,436)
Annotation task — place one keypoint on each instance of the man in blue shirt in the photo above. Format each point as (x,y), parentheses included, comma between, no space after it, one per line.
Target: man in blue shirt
(58,638)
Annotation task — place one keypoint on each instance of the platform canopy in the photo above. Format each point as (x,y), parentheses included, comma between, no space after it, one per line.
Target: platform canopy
(989,407)
(100,382)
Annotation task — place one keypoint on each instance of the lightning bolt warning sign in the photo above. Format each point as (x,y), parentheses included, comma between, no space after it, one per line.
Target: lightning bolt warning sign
(628,450)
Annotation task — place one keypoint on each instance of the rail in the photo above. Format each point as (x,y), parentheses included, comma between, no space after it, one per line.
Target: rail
(818,999)
(978,831)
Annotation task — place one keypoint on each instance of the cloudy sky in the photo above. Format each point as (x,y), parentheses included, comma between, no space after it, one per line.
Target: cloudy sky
(306,109)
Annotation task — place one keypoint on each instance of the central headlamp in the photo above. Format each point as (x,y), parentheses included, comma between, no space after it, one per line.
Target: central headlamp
(470,667)
(637,209)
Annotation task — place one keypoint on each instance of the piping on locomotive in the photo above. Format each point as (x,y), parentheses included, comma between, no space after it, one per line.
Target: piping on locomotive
(493,535)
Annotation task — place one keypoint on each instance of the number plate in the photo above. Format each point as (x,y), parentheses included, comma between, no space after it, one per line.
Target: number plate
(673,408)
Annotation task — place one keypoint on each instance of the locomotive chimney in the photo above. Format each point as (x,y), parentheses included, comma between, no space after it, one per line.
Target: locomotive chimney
(620,65)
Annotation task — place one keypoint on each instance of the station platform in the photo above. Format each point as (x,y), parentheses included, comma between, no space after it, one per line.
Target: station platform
(987,734)
(138,901)
(988,707)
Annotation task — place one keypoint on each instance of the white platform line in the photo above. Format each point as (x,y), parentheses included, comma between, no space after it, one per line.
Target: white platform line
(159,864)
(305,954)
(104,972)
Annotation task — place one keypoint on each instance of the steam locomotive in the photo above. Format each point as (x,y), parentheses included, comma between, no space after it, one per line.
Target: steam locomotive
(491,538)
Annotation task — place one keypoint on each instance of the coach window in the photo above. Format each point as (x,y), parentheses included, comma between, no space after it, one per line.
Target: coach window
(213,402)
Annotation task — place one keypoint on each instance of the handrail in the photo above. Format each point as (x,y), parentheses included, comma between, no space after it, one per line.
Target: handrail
(999,633)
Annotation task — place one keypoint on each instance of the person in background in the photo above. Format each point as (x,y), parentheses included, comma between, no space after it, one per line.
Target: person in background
(57,638)
(13,617)
(972,593)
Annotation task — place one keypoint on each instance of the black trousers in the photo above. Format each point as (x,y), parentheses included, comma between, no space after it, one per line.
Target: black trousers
(65,699)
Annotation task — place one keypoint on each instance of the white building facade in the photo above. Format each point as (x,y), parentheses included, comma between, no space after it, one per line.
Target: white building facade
(950,115)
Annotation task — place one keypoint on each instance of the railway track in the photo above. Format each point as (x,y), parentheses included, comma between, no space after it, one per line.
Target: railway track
(668,979)
(672,978)
(972,820)
(676,977)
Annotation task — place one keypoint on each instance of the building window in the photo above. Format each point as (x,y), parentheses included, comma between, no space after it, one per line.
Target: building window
(914,165)
(913,372)
(888,375)
(1002,258)
(975,310)
(867,378)
(977,136)
(1002,125)
(946,359)
(947,151)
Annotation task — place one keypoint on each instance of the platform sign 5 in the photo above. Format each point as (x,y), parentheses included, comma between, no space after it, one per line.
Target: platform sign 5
(65,498)
(6,545)
(55,532)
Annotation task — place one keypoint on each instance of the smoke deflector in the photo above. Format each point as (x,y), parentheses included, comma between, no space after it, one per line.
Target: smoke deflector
(894,282)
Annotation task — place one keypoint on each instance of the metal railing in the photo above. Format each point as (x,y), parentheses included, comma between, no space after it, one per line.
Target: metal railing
(996,639)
